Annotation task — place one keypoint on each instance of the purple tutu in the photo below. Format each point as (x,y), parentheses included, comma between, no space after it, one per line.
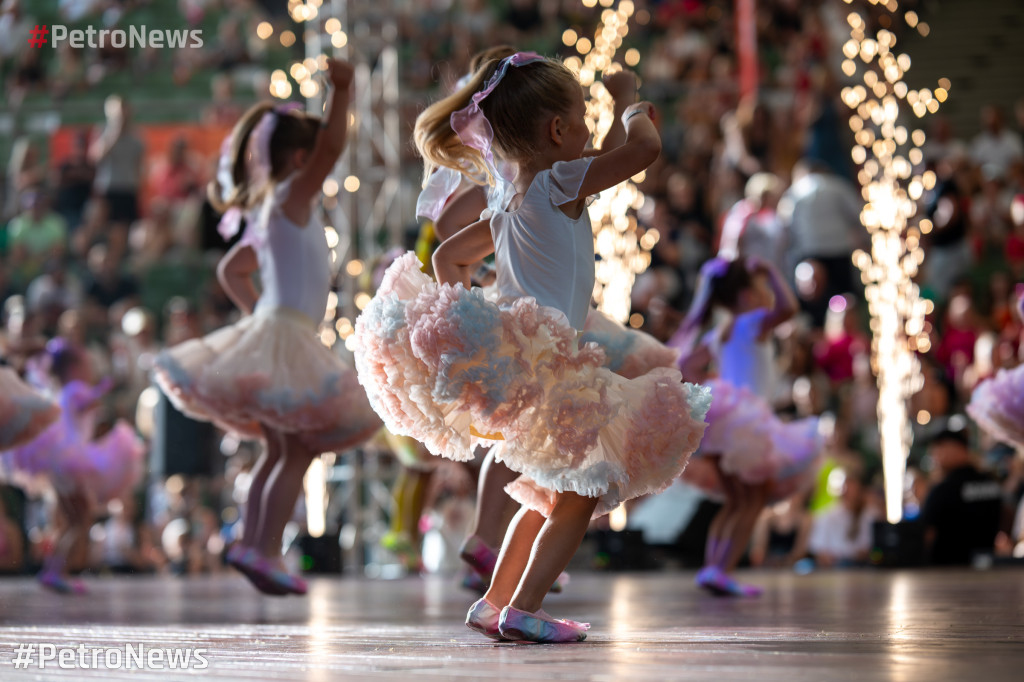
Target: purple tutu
(997,404)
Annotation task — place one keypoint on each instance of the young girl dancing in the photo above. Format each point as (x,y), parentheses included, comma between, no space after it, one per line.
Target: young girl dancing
(268,375)
(748,456)
(85,473)
(443,364)
(997,403)
(451,202)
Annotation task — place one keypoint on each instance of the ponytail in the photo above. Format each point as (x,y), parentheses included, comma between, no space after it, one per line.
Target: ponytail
(439,144)
(233,187)
(514,107)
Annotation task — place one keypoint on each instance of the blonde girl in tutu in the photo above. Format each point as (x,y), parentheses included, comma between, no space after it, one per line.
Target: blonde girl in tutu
(445,365)
(450,202)
(748,456)
(268,375)
(85,473)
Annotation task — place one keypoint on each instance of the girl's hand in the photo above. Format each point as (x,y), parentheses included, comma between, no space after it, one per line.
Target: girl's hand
(340,73)
(646,107)
(621,85)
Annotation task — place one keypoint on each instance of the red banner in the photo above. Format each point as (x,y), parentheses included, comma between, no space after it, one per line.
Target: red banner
(746,45)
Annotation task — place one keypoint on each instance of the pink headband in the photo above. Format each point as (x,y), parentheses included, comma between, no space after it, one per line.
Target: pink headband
(257,164)
(470,124)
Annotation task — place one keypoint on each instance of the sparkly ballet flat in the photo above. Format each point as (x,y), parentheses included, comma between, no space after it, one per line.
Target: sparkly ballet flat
(483,617)
(266,576)
(539,627)
(52,580)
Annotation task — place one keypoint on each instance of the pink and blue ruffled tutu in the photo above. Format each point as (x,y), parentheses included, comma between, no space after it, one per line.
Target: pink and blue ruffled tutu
(452,369)
(751,443)
(629,353)
(997,404)
(271,369)
(24,413)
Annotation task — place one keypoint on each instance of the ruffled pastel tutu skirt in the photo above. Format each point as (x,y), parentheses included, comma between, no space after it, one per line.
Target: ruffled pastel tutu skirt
(452,369)
(997,404)
(746,440)
(269,368)
(106,467)
(24,413)
(628,352)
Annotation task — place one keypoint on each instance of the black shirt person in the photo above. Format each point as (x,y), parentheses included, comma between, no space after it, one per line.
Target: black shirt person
(961,513)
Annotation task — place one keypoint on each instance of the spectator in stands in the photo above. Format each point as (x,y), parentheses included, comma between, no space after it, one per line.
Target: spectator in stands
(72,182)
(841,535)
(752,227)
(996,144)
(962,512)
(118,154)
(35,236)
(178,176)
(821,214)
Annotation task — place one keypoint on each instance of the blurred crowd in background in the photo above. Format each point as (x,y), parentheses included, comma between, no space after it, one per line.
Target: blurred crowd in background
(113,246)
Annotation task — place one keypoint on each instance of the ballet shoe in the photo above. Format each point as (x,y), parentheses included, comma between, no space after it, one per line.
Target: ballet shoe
(539,627)
(236,557)
(474,582)
(266,576)
(483,617)
(52,580)
(561,582)
(479,556)
(720,584)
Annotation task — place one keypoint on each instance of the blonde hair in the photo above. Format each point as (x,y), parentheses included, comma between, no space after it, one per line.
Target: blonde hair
(293,130)
(516,109)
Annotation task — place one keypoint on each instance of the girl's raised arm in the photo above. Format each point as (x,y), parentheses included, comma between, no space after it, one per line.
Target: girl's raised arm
(640,149)
(234,272)
(330,142)
(786,305)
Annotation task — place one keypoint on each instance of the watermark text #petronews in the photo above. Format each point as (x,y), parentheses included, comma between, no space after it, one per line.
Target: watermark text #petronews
(128,657)
(133,37)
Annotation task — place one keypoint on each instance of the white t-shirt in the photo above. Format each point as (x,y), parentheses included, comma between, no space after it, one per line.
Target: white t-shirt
(822,213)
(830,533)
(541,252)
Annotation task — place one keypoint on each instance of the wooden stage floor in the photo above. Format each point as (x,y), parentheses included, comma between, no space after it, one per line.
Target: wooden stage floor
(868,625)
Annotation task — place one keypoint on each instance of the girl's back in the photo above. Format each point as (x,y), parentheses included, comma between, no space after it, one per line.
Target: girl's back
(540,251)
(294,262)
